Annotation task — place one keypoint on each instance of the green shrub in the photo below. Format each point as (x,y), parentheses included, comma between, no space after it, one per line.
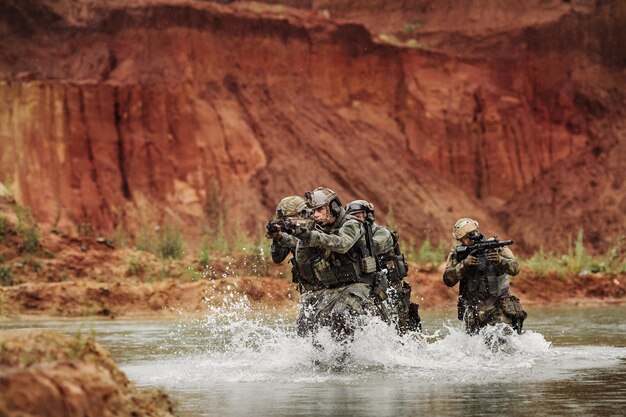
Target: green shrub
(170,243)
(145,239)
(204,257)
(542,264)
(120,238)
(27,230)
(577,260)
(165,242)
(135,267)
(4,229)
(5,276)
(428,254)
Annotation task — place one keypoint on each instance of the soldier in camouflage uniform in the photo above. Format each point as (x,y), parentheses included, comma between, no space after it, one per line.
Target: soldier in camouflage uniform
(289,213)
(484,297)
(289,210)
(337,268)
(402,311)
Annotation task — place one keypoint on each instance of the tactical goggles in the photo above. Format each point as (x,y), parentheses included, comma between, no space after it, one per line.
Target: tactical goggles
(355,207)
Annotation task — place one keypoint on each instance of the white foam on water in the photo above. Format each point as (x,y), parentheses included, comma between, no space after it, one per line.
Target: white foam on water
(236,344)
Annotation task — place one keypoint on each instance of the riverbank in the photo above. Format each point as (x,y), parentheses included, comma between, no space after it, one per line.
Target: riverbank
(47,273)
(46,373)
(90,298)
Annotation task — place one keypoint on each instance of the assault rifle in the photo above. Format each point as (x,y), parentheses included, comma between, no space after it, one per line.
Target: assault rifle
(290,226)
(479,249)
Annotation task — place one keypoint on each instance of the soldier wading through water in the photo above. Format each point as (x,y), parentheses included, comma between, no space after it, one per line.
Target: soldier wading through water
(335,268)
(482,266)
(385,242)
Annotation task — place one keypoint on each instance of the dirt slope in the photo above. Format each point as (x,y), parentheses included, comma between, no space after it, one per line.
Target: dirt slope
(114,113)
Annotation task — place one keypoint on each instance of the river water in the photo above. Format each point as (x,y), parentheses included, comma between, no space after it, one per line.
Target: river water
(237,361)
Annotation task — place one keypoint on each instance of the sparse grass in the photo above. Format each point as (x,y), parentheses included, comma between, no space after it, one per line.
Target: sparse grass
(426,255)
(165,242)
(4,229)
(170,243)
(6,276)
(27,230)
(120,238)
(135,267)
(84,229)
(429,254)
(204,257)
(577,260)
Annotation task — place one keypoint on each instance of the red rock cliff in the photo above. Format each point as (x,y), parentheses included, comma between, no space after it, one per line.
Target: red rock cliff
(115,113)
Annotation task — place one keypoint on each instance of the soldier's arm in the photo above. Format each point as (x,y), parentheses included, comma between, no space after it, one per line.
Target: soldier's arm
(454,270)
(349,233)
(278,252)
(508,263)
(282,246)
(287,241)
(383,241)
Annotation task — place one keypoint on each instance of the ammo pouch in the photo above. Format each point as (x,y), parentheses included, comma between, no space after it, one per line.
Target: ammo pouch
(368,264)
(397,267)
(512,308)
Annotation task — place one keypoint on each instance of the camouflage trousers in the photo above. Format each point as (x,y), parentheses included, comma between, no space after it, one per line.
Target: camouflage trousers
(507,310)
(339,309)
(398,309)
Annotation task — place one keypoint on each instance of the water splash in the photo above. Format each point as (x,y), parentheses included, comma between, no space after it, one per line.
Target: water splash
(236,343)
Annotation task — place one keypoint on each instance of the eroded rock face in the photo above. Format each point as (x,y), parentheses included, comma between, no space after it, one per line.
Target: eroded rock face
(112,113)
(46,374)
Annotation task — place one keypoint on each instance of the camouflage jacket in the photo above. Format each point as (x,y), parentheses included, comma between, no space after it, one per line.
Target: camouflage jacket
(481,286)
(282,247)
(382,239)
(340,236)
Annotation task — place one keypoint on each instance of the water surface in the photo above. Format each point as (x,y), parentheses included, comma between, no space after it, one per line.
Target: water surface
(236,361)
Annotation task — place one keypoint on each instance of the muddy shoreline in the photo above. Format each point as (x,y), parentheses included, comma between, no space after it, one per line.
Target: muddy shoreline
(169,298)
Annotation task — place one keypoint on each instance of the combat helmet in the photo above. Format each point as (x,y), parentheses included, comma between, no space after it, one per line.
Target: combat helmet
(361,205)
(291,206)
(323,196)
(463,227)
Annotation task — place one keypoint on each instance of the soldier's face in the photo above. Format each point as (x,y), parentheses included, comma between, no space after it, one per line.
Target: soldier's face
(359,215)
(320,215)
(466,241)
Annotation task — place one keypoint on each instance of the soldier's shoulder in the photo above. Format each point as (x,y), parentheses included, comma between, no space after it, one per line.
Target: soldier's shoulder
(379,229)
(351,220)
(350,217)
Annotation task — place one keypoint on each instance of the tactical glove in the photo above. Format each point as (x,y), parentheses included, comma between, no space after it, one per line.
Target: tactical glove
(303,234)
(494,257)
(273,232)
(471,260)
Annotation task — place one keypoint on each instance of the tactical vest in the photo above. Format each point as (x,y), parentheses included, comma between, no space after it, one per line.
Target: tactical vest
(328,269)
(394,261)
(478,285)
